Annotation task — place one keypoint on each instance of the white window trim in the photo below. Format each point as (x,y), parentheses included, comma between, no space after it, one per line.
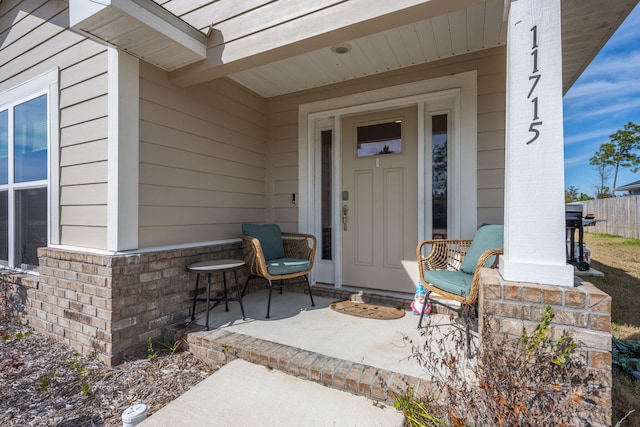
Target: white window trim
(462,88)
(47,83)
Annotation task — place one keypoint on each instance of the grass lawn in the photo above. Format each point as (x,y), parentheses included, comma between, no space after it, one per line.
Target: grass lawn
(619,259)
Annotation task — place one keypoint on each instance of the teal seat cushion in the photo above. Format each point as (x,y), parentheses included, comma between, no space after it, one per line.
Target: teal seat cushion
(454,282)
(283,266)
(270,238)
(487,237)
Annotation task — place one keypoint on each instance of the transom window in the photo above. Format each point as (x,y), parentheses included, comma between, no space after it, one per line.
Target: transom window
(378,139)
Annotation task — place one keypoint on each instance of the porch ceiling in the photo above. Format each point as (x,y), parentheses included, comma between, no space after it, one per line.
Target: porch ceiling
(390,40)
(455,33)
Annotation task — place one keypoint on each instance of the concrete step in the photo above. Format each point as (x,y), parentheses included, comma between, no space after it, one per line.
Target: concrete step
(242,393)
(218,347)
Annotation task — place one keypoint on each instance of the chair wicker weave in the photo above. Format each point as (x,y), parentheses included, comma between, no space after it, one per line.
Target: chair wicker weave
(447,258)
(297,246)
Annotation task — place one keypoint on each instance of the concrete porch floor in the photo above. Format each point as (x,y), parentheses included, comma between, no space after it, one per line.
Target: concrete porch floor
(366,357)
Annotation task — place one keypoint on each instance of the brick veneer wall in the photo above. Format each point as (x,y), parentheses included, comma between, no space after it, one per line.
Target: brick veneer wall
(106,306)
(583,311)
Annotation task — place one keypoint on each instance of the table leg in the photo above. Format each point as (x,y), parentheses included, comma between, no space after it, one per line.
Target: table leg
(239,293)
(208,296)
(195,298)
(225,296)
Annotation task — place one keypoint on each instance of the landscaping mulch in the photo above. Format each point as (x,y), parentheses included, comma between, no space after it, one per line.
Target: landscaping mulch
(45,383)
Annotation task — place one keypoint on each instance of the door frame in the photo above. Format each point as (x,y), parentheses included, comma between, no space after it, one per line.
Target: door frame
(459,89)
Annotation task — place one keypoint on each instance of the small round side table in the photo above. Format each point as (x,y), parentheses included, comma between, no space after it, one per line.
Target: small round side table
(216,266)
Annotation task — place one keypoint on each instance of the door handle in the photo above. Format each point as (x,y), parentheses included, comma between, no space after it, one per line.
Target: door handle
(345,217)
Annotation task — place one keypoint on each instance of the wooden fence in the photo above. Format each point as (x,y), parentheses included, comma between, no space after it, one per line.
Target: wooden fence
(621,215)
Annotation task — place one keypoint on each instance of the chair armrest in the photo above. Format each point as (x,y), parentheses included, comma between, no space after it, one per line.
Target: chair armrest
(253,255)
(445,254)
(475,284)
(485,257)
(299,245)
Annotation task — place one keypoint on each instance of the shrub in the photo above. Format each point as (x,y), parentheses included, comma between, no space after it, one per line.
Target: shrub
(535,380)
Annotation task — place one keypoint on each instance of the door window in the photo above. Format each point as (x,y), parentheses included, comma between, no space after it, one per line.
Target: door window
(380,138)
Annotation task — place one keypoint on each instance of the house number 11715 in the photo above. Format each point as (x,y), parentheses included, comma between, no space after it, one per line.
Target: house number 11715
(534,79)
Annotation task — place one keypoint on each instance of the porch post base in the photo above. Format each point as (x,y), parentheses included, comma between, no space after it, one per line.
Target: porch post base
(558,274)
(583,311)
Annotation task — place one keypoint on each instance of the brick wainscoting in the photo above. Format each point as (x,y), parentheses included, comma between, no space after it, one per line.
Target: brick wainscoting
(106,306)
(583,311)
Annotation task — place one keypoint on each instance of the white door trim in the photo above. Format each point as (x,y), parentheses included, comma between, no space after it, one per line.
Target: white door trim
(462,88)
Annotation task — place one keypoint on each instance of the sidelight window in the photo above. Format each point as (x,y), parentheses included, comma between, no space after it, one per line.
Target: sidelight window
(439,170)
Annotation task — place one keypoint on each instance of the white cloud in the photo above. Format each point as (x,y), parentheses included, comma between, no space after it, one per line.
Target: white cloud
(605,109)
(588,90)
(623,64)
(595,134)
(581,159)
(613,73)
(629,31)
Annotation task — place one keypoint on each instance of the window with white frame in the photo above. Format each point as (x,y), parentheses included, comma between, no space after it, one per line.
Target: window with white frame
(25,143)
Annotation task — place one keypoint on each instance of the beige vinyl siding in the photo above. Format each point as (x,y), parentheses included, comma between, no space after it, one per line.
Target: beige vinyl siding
(490,66)
(83,152)
(491,137)
(284,170)
(202,160)
(35,39)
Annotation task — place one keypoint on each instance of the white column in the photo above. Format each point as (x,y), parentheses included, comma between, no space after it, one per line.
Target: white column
(534,176)
(123,99)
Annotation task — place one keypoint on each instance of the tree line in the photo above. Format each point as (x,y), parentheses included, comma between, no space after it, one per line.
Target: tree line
(621,152)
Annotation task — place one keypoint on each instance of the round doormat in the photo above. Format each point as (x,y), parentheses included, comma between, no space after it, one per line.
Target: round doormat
(369,311)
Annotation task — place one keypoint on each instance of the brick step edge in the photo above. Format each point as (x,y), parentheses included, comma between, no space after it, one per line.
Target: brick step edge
(217,348)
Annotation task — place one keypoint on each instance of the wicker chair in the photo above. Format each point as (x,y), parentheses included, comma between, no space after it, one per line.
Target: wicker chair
(451,268)
(295,260)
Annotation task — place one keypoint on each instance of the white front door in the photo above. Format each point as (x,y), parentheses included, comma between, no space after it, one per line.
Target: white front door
(379,200)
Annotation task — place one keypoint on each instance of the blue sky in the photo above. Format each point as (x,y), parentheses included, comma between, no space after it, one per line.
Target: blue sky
(602,101)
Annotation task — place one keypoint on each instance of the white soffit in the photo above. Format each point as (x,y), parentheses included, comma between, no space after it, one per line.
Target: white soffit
(141,28)
(459,32)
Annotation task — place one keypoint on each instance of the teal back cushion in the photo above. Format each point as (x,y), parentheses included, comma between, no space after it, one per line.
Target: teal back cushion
(270,238)
(487,237)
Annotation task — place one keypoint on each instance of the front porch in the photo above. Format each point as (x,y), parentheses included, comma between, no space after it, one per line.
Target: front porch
(108,306)
(373,358)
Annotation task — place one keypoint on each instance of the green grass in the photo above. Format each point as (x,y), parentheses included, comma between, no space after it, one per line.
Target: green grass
(605,236)
(627,242)
(616,240)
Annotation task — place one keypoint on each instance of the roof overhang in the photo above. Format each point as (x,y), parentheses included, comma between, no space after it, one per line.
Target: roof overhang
(287,61)
(140,27)
(633,186)
(272,52)
(587,25)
